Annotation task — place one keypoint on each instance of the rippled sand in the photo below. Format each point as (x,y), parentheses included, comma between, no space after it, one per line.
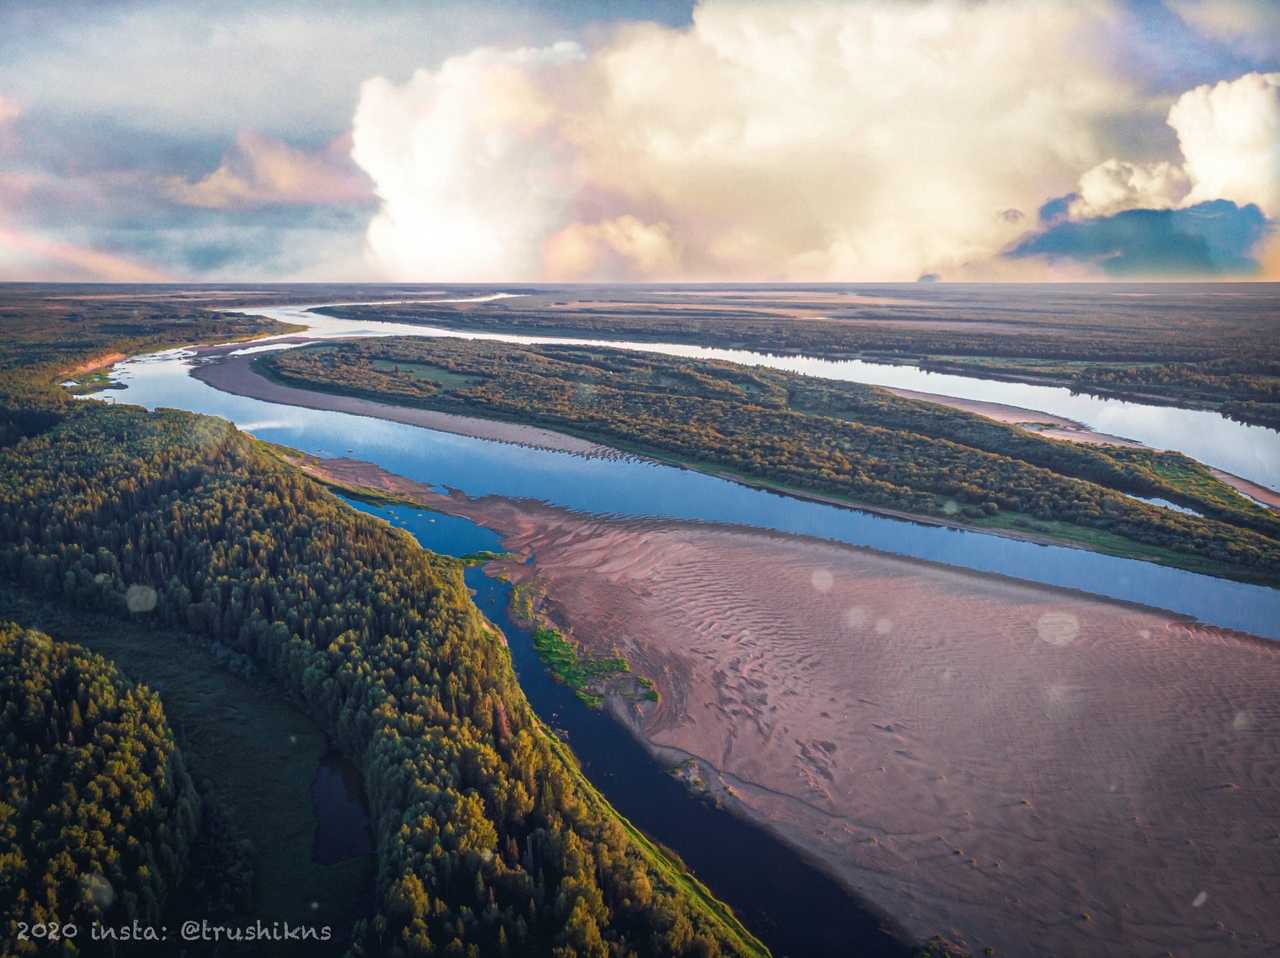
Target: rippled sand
(1018,767)
(1014,763)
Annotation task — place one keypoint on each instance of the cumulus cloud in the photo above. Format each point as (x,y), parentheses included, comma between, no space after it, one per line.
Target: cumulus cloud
(765,141)
(1221,194)
(622,248)
(261,171)
(1250,26)
(1230,136)
(1115,185)
(472,163)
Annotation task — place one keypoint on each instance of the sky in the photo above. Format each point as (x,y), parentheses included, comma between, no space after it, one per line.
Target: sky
(621,140)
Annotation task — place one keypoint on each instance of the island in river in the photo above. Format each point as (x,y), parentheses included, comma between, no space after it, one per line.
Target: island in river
(843,441)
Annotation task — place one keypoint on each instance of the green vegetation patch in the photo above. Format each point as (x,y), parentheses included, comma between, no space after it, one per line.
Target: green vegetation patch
(99,813)
(437,376)
(837,440)
(581,674)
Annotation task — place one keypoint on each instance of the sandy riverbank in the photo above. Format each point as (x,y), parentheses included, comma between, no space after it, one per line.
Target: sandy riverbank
(235,374)
(1035,771)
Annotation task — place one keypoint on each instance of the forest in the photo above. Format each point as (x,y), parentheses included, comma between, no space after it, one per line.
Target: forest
(99,814)
(181,529)
(846,440)
(1216,347)
(490,841)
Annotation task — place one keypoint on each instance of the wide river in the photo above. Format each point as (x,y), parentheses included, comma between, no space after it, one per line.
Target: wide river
(637,487)
(775,891)
(1252,452)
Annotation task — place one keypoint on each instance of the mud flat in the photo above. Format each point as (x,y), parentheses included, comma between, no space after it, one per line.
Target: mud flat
(1028,769)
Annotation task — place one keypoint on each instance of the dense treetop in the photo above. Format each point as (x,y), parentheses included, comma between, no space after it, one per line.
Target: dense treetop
(97,812)
(489,839)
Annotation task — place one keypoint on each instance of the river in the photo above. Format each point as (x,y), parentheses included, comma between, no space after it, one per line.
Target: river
(775,891)
(638,487)
(1251,452)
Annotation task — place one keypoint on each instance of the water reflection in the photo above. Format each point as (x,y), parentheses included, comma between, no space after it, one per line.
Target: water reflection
(638,488)
(1249,451)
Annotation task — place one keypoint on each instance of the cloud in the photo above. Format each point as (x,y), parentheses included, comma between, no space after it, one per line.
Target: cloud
(288,68)
(1230,136)
(9,113)
(1116,185)
(30,257)
(1249,26)
(811,140)
(1208,239)
(470,161)
(622,248)
(1219,198)
(261,171)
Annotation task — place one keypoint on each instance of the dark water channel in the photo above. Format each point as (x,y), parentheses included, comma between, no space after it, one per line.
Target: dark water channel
(792,906)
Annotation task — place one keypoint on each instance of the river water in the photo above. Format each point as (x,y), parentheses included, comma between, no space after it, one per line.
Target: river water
(637,487)
(793,907)
(1252,452)
(788,903)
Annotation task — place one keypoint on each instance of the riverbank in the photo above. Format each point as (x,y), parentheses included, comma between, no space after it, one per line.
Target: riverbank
(970,753)
(223,369)
(243,374)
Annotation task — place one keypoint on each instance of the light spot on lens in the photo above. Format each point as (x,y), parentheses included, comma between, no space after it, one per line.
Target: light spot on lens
(98,891)
(140,598)
(950,507)
(822,580)
(856,617)
(1058,628)
(1242,721)
(884,626)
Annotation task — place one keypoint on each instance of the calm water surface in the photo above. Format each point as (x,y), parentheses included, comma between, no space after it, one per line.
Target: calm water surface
(342,811)
(1249,451)
(633,487)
